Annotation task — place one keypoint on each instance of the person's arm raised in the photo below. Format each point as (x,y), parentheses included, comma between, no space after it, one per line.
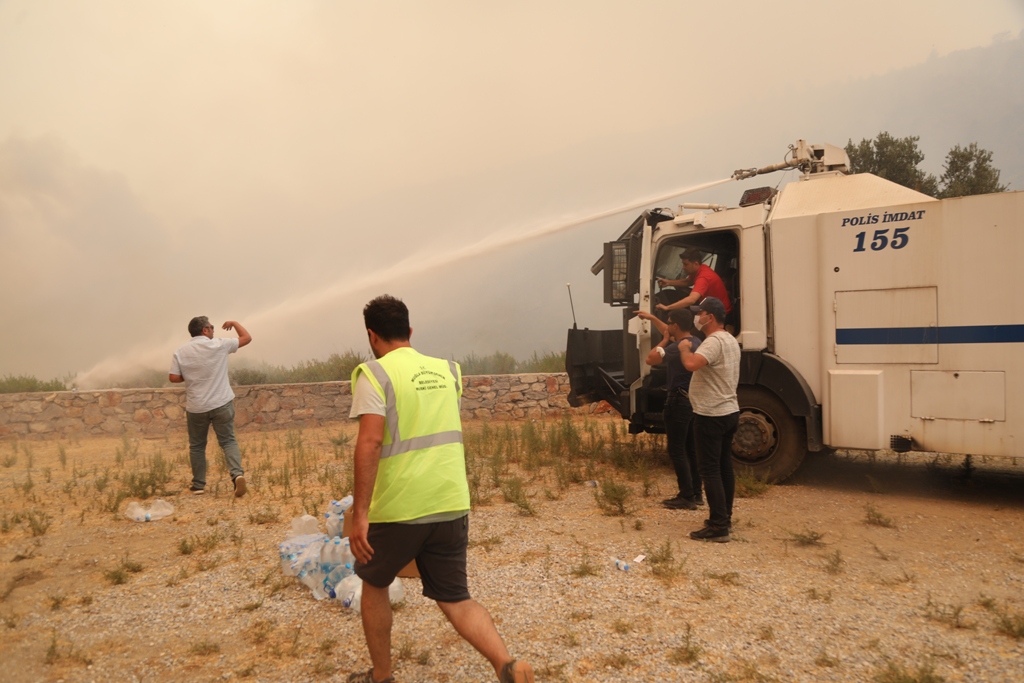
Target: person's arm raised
(243,336)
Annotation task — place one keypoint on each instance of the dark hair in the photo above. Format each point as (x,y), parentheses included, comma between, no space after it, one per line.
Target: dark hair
(388,317)
(693,255)
(197,324)
(682,317)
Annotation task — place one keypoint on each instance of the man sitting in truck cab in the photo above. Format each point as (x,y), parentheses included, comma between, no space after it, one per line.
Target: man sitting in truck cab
(702,279)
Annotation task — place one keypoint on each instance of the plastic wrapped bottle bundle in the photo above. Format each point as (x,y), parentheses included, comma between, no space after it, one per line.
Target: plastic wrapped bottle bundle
(335,515)
(158,510)
(337,575)
(296,553)
(350,592)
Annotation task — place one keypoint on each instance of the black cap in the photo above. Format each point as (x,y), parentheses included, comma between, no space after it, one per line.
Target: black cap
(713,306)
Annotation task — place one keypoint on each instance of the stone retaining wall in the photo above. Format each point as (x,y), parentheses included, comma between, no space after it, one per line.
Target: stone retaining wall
(152,412)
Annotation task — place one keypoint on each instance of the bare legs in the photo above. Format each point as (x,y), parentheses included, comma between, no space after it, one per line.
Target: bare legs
(470,619)
(473,622)
(376,608)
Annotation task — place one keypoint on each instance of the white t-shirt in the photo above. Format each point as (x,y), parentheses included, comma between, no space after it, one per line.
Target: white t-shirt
(365,399)
(203,362)
(713,387)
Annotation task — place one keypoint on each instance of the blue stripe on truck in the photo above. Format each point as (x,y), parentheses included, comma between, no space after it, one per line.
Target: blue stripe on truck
(973,334)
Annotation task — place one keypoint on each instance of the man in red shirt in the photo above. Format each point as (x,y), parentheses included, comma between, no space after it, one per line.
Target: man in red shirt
(703,281)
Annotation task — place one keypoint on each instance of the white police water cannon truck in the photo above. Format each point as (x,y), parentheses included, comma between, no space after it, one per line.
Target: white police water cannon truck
(870,316)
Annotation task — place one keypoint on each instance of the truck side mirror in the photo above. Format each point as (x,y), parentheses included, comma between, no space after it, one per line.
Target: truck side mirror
(616,273)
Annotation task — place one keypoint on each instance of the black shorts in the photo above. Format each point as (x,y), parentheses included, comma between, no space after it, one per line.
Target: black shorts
(439,549)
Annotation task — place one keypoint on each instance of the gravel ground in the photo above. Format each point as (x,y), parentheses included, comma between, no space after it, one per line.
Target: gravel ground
(925,594)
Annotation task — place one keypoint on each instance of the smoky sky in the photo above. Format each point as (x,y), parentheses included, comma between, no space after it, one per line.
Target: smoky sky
(281,163)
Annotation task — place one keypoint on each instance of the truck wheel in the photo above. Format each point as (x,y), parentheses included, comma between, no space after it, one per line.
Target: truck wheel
(770,443)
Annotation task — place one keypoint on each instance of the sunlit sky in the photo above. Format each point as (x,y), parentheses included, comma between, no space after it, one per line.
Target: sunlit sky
(164,160)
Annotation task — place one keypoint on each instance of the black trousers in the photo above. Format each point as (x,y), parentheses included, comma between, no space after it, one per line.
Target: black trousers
(713,436)
(678,419)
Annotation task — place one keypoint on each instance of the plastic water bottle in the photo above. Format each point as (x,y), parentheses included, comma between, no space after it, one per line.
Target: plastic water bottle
(295,547)
(339,563)
(335,518)
(334,579)
(331,555)
(396,591)
(311,573)
(350,592)
(619,564)
(158,510)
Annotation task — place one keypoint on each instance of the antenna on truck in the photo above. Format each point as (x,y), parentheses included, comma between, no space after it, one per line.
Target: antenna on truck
(571,308)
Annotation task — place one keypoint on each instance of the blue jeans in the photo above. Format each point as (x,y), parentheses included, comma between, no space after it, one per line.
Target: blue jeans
(678,417)
(223,421)
(713,436)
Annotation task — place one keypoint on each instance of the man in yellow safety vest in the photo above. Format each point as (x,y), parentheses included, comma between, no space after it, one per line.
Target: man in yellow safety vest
(411,493)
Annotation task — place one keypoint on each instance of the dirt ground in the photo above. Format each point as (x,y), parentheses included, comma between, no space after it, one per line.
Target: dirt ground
(86,594)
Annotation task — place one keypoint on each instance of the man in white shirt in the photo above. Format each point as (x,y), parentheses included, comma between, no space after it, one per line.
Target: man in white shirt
(716,413)
(202,364)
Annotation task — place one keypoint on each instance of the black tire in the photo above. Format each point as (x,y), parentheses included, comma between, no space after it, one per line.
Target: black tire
(770,443)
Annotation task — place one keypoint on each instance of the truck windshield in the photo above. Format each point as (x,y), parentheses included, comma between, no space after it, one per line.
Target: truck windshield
(720,253)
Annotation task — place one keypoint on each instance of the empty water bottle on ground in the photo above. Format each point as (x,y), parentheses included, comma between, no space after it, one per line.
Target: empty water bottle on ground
(158,510)
(619,564)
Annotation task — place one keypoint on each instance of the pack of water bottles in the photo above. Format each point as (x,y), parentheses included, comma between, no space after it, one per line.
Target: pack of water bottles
(324,562)
(158,510)
(335,515)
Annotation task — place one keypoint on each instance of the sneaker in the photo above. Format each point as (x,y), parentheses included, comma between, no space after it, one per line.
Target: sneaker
(673,499)
(196,491)
(367,677)
(680,504)
(239,486)
(699,501)
(516,672)
(712,534)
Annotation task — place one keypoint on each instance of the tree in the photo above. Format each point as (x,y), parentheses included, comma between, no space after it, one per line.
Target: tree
(894,159)
(968,170)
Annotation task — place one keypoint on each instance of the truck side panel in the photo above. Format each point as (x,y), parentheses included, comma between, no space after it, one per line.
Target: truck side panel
(922,325)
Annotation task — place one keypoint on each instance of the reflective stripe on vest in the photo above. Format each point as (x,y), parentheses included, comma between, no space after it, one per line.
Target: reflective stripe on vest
(397,445)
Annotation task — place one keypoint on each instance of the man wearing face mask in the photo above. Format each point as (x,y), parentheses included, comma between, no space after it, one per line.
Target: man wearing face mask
(716,373)
(411,498)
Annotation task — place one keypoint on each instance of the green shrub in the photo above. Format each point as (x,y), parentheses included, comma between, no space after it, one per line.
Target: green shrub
(749,486)
(16,384)
(498,363)
(514,492)
(549,362)
(613,497)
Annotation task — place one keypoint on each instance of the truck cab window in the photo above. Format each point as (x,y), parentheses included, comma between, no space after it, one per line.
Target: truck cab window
(719,253)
